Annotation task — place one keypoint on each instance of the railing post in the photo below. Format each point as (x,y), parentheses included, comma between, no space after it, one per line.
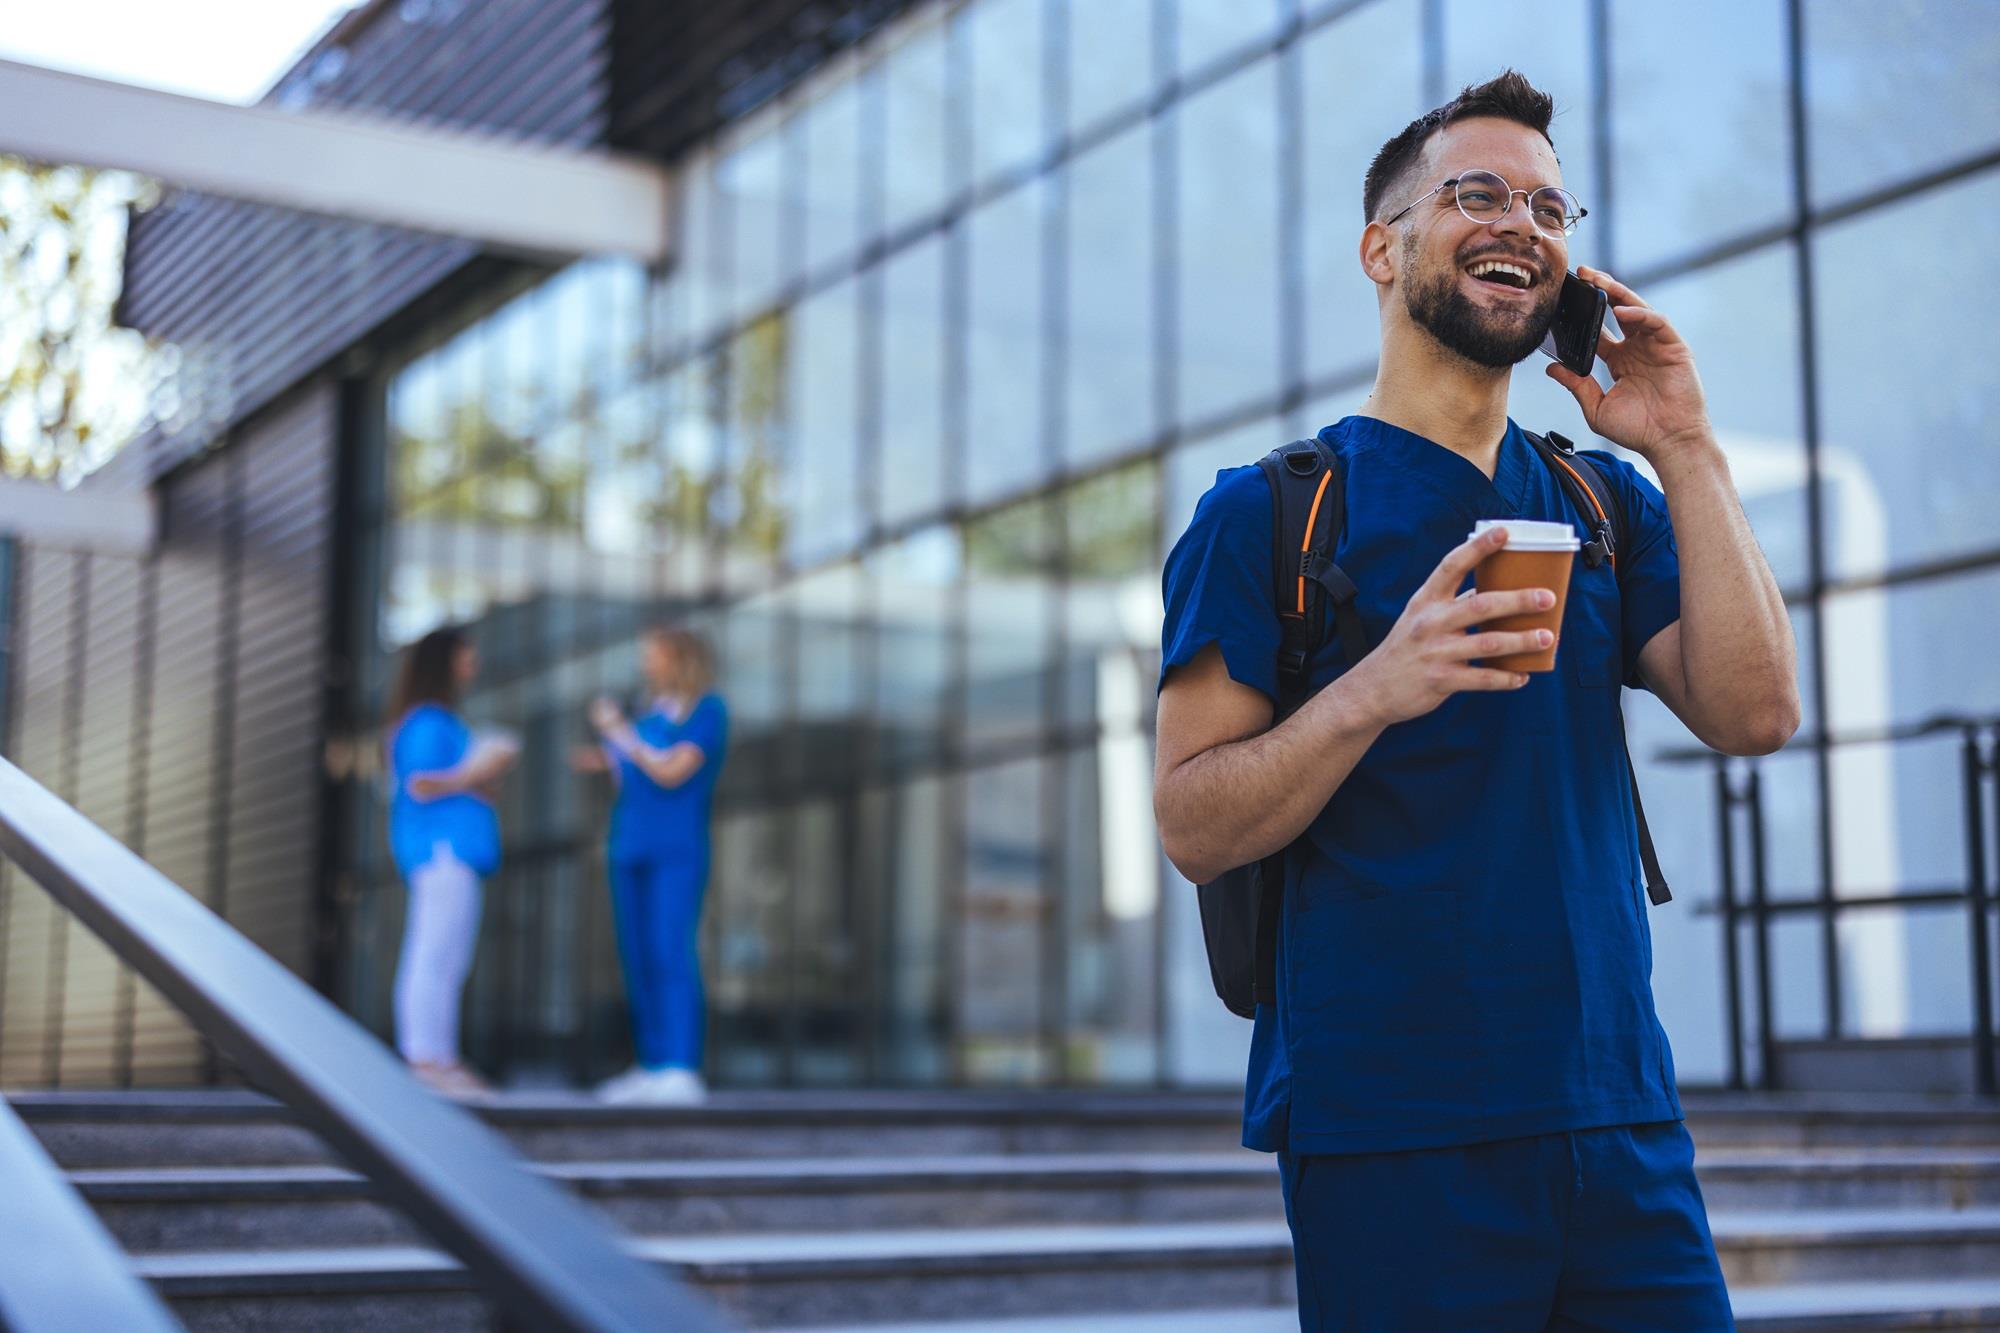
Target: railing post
(1767,1061)
(1976,767)
(1732,966)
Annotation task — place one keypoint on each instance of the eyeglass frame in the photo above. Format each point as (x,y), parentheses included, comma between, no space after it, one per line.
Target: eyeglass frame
(1453,184)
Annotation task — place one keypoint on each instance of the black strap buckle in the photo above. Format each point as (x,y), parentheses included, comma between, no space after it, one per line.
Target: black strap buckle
(1316,566)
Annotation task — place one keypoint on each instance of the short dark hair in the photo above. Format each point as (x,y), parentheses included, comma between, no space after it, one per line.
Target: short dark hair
(427,676)
(1508,97)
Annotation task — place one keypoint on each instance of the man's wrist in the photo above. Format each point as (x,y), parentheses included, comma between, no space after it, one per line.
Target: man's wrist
(1362,712)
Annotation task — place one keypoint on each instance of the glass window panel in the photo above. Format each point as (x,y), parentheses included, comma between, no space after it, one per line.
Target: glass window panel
(750,674)
(1899,816)
(691,449)
(753,514)
(1907,386)
(905,877)
(1005,345)
(1798,980)
(916,589)
(1111,898)
(1110,299)
(1009,601)
(1228,267)
(830,992)
(1208,32)
(914,456)
(1893,90)
(830,188)
(1099,87)
(823,476)
(1009,101)
(1699,123)
(420,454)
(752,176)
(1112,608)
(1373,59)
(520,395)
(701,262)
(1549,40)
(1741,319)
(830,620)
(918,123)
(749,966)
(1002,922)
(1905,973)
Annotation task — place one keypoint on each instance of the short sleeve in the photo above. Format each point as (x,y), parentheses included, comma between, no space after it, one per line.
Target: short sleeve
(426,742)
(708,727)
(1217,584)
(1649,568)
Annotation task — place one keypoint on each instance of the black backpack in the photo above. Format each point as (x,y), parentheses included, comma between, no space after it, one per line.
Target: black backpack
(1240,909)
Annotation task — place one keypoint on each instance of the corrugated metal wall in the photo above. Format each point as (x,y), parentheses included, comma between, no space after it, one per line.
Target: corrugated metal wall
(177,701)
(257,297)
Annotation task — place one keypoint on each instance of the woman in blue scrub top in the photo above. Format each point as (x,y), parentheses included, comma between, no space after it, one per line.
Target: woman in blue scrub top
(665,764)
(446,840)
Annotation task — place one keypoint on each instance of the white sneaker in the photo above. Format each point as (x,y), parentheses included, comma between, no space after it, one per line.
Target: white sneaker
(670,1087)
(620,1087)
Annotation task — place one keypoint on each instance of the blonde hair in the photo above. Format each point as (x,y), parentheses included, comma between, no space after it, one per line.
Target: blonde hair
(694,661)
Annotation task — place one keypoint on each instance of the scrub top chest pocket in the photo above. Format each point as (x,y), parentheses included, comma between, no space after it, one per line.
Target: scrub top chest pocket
(1592,641)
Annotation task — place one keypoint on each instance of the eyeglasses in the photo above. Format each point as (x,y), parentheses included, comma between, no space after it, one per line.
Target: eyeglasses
(1485,198)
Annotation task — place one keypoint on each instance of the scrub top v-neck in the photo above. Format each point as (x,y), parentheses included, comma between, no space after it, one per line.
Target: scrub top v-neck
(1464,953)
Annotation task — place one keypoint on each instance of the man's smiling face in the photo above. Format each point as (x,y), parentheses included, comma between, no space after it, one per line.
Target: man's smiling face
(1485,291)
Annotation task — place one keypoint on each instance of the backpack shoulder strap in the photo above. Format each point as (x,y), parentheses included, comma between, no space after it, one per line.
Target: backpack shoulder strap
(1596,499)
(1308,512)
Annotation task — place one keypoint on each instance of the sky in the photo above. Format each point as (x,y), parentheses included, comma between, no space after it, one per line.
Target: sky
(228,50)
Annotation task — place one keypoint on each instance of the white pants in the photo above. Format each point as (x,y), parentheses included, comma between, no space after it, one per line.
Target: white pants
(439,929)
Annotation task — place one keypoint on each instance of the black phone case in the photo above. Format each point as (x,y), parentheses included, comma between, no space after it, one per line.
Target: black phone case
(1579,323)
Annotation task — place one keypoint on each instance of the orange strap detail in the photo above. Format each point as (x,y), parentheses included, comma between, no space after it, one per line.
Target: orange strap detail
(1602,517)
(1312,521)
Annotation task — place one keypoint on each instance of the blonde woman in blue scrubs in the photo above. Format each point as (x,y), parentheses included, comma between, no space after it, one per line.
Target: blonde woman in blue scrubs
(446,840)
(664,763)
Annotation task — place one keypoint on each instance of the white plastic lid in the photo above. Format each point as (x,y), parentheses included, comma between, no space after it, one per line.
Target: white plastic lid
(1526,534)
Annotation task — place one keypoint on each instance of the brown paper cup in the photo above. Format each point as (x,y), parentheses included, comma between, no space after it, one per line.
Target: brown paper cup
(1512,568)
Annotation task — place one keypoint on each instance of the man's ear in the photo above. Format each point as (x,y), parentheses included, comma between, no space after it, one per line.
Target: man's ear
(1377,259)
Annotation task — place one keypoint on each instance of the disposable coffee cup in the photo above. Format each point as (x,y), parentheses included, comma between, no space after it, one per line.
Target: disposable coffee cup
(1537,555)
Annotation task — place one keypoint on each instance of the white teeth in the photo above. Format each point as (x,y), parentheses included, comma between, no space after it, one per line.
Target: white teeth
(1485,266)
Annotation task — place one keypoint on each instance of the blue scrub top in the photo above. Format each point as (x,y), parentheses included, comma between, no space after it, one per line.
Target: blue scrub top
(648,820)
(431,737)
(1464,953)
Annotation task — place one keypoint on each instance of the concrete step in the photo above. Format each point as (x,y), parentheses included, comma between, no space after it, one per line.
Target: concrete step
(783,1280)
(89,1130)
(1840,1120)
(215,1208)
(1887,1177)
(1855,1245)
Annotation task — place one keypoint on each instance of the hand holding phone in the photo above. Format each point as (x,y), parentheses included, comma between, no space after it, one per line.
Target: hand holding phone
(1579,323)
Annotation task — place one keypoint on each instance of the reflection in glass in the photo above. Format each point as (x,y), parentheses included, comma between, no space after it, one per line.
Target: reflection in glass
(823,471)
(1110,283)
(752,179)
(1004,345)
(1002,922)
(1098,87)
(916,593)
(917,121)
(914,458)
(1373,58)
(830,188)
(749,507)
(1907,392)
(905,889)
(1893,91)
(828,920)
(1009,601)
(748,965)
(1004,42)
(1111,896)
(830,619)
(1210,31)
(1228,264)
(1699,119)
(1905,972)
(1112,600)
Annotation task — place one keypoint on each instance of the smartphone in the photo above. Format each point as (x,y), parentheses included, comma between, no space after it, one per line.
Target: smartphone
(1579,324)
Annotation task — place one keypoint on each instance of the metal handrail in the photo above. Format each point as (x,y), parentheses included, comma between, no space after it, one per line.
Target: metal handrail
(543,1256)
(63,1269)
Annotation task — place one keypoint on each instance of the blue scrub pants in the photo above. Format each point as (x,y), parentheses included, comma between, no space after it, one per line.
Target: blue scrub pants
(1601,1229)
(657,903)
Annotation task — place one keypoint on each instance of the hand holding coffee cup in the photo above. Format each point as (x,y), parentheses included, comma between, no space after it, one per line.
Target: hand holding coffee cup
(1537,555)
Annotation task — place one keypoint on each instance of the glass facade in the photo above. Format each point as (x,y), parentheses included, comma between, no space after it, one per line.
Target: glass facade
(959,330)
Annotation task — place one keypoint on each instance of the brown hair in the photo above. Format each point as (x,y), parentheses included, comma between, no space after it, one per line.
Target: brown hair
(694,658)
(428,674)
(1508,97)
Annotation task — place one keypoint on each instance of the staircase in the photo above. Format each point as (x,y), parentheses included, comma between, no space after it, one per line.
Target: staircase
(982,1213)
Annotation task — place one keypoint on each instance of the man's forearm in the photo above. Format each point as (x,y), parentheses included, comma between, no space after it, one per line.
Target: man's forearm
(1242,801)
(1737,650)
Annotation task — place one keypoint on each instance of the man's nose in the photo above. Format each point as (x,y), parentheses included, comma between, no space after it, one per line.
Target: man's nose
(1517,220)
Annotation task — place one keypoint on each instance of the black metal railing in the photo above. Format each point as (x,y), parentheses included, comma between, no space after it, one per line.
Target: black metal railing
(1740,800)
(542,1257)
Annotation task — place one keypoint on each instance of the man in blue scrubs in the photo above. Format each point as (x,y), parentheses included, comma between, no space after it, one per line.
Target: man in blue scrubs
(1472,1100)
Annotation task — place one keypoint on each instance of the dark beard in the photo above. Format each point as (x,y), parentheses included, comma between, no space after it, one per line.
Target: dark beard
(1437,304)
